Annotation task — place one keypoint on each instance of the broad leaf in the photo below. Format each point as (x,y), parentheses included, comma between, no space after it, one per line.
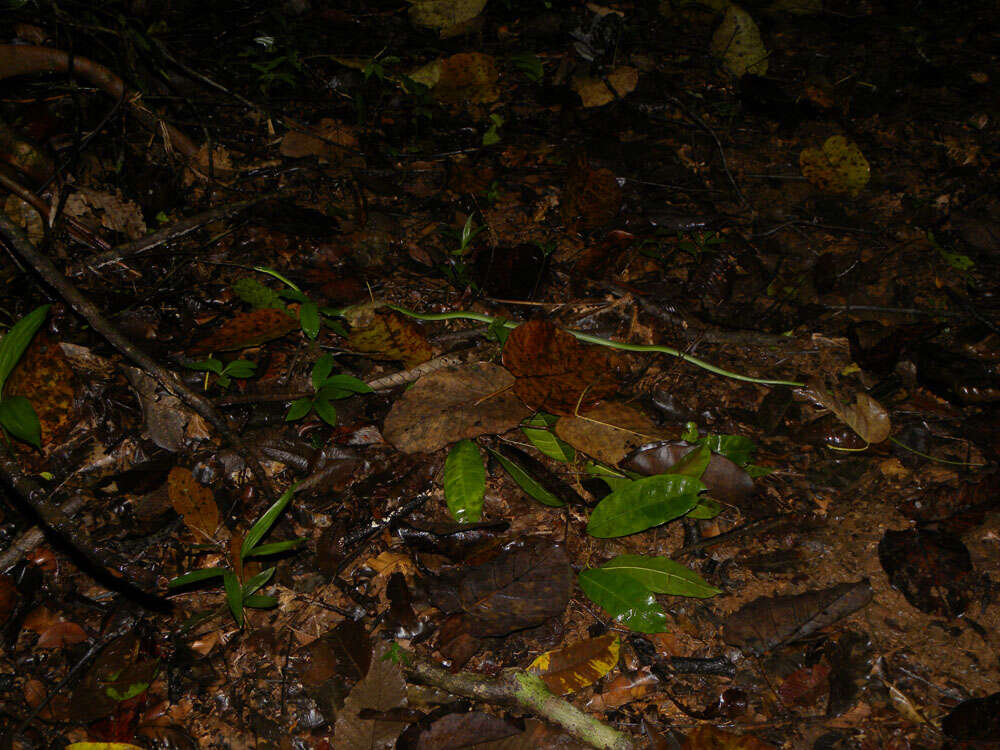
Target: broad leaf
(309,319)
(578,665)
(241,368)
(465,482)
(18,417)
(299,409)
(693,464)
(614,479)
(321,371)
(327,412)
(16,340)
(206,365)
(265,522)
(643,504)
(662,575)
(528,483)
(194,502)
(538,431)
(705,509)
(251,586)
(736,448)
(346,383)
(625,599)
(259,601)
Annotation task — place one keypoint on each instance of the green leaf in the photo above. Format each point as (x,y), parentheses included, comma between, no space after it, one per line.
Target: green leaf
(624,598)
(278,276)
(234,595)
(644,503)
(240,368)
(465,482)
(327,412)
(265,522)
(346,382)
(16,340)
(259,601)
(662,575)
(18,417)
(693,464)
(309,319)
(614,479)
(195,576)
(206,365)
(257,581)
(276,548)
(538,431)
(321,371)
(736,448)
(134,689)
(299,409)
(527,482)
(256,294)
(705,509)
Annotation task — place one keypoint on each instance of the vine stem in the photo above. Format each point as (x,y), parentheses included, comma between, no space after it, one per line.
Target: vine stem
(591,339)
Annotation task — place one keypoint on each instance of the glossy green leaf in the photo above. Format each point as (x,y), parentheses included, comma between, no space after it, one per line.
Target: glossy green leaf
(736,448)
(661,575)
(624,598)
(327,411)
(241,368)
(465,482)
(538,429)
(527,482)
(346,383)
(234,595)
(206,365)
(705,509)
(265,522)
(259,601)
(16,340)
(644,503)
(299,409)
(309,319)
(18,417)
(693,464)
(614,479)
(257,581)
(321,371)
(276,548)
(195,576)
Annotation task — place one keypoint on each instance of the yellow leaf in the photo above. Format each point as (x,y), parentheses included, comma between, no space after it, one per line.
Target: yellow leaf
(737,42)
(839,167)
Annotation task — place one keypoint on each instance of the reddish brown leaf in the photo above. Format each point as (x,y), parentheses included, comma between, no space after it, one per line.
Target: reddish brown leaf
(554,371)
(382,689)
(61,634)
(193,501)
(247,329)
(805,686)
(707,737)
(591,197)
(610,431)
(578,665)
(465,730)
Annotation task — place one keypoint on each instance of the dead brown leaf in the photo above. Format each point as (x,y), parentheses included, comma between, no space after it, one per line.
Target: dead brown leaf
(387,335)
(247,329)
(194,502)
(865,416)
(610,431)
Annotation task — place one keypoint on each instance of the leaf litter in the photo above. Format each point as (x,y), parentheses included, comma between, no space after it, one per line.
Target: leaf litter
(830,227)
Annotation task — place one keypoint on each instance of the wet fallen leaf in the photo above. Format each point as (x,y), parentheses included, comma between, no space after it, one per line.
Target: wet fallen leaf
(932,569)
(330,140)
(388,335)
(454,403)
(469,729)
(247,329)
(194,502)
(444,15)
(609,431)
(556,373)
(838,167)
(61,634)
(595,91)
(624,689)
(738,44)
(768,622)
(865,416)
(724,479)
(592,197)
(805,685)
(468,77)
(382,689)
(707,737)
(578,665)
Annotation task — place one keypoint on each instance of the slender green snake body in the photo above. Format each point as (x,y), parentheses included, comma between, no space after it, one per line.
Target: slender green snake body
(591,339)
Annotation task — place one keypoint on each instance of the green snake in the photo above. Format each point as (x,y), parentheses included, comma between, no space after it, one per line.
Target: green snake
(591,339)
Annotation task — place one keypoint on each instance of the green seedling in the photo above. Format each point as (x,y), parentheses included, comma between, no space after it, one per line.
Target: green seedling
(17,416)
(465,237)
(239,368)
(695,244)
(327,388)
(241,594)
(958,261)
(492,136)
(529,65)
(311,316)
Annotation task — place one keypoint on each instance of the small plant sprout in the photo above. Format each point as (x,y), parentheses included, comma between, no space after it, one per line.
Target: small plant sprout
(327,388)
(17,416)
(241,594)
(239,368)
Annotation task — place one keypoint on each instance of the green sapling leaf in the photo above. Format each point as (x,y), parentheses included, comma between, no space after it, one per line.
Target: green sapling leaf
(16,340)
(265,522)
(18,417)
(234,595)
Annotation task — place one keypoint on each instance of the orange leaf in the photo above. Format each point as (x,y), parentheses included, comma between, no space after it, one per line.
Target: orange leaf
(45,377)
(555,372)
(388,334)
(578,665)
(247,329)
(193,501)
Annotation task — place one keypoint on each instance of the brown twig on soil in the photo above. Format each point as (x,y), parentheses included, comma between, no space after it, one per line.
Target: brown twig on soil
(519,690)
(19,59)
(167,379)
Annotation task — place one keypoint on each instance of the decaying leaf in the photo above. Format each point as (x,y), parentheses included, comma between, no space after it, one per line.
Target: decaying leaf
(592,197)
(839,167)
(595,92)
(194,502)
(388,335)
(768,622)
(738,44)
(865,416)
(444,15)
(609,431)
(555,372)
(167,420)
(45,377)
(451,404)
(468,729)
(382,689)
(468,77)
(247,329)
(114,211)
(330,140)
(707,737)
(574,667)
